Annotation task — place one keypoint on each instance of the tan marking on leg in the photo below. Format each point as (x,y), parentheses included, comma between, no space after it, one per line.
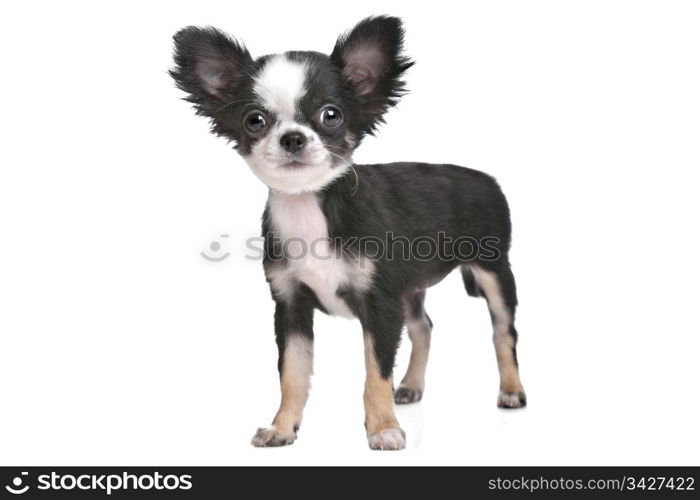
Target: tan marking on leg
(295,382)
(413,383)
(383,431)
(510,379)
(419,332)
(504,343)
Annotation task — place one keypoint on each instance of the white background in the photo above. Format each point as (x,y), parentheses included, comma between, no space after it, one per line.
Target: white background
(120,345)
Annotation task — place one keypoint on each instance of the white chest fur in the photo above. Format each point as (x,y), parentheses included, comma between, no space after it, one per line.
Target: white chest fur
(297,220)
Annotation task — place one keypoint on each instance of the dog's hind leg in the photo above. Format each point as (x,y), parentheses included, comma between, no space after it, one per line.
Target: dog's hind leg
(497,285)
(419,329)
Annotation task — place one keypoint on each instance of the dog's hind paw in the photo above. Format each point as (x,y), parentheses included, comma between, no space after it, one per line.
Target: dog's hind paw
(512,400)
(405,395)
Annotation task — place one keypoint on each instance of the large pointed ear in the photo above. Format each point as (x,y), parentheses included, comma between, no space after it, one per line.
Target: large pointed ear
(371,59)
(209,65)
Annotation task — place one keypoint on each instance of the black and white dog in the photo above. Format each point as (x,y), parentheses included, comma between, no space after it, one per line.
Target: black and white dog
(296,119)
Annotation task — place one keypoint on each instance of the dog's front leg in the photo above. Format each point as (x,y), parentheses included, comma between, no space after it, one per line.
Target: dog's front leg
(382,335)
(294,333)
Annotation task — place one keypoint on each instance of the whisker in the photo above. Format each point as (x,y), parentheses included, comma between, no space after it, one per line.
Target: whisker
(338,156)
(357,181)
(349,164)
(335,147)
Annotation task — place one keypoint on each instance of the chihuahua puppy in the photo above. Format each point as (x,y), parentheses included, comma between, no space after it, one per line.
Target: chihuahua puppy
(362,241)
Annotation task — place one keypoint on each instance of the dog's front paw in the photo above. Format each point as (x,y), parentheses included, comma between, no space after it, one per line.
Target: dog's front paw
(512,400)
(405,395)
(388,439)
(272,436)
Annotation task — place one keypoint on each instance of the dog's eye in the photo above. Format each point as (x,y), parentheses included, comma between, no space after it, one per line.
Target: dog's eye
(255,122)
(331,117)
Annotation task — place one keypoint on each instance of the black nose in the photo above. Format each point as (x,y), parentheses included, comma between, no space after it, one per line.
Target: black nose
(292,141)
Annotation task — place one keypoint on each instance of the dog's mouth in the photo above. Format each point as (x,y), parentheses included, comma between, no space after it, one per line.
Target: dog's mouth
(297,162)
(294,164)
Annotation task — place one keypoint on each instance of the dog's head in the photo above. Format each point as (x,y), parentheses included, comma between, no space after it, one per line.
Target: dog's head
(296,117)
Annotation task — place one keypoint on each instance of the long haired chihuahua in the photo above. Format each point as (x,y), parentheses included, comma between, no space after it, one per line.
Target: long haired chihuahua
(361,241)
